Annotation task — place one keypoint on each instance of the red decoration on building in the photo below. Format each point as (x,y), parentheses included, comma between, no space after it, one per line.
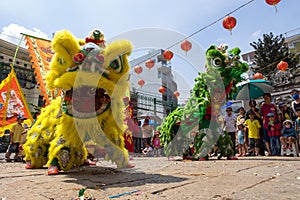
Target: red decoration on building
(229,23)
(162,89)
(186,45)
(150,63)
(273,3)
(141,82)
(282,66)
(168,55)
(138,69)
(258,76)
(176,94)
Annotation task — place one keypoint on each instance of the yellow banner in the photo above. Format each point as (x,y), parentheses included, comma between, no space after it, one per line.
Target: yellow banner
(12,103)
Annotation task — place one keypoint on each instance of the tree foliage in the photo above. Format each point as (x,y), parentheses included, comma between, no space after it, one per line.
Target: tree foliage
(269,51)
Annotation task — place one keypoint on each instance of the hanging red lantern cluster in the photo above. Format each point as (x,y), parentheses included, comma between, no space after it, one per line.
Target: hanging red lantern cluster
(229,23)
(282,66)
(162,90)
(150,64)
(141,82)
(138,69)
(273,3)
(176,94)
(186,46)
(168,55)
(258,76)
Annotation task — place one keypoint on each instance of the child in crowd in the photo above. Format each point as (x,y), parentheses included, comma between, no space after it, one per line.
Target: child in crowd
(274,127)
(147,151)
(253,126)
(156,143)
(242,116)
(288,135)
(241,139)
(297,126)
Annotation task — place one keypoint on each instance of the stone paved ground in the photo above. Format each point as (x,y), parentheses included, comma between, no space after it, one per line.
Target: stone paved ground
(158,178)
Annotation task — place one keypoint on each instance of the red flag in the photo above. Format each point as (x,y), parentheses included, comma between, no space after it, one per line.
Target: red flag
(12,102)
(41,53)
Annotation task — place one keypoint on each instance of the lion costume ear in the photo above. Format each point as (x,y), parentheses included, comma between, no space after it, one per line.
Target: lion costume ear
(65,46)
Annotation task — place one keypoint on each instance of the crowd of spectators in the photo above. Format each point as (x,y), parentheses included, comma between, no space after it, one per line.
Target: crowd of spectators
(268,129)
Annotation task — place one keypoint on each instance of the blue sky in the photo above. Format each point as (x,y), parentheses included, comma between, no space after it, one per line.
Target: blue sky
(116,17)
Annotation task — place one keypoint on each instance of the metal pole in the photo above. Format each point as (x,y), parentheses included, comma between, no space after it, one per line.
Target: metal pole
(154,101)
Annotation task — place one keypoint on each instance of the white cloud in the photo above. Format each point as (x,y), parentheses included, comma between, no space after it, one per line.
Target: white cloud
(12,33)
(256,34)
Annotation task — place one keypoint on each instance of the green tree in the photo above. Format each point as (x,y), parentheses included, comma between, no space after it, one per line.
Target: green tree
(269,51)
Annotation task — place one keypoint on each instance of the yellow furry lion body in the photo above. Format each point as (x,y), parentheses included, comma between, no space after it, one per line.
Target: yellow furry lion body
(91,105)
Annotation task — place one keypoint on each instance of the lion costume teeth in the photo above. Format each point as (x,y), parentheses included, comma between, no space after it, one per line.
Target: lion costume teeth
(94,79)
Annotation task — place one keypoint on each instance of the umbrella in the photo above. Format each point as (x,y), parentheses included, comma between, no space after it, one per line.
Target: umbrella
(151,116)
(253,89)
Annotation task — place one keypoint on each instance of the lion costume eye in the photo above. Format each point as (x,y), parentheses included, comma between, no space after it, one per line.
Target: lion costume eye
(116,64)
(217,62)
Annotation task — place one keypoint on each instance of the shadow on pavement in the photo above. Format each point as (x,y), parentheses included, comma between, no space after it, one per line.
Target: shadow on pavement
(98,177)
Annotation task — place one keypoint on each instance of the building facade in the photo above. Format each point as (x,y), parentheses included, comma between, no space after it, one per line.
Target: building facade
(24,72)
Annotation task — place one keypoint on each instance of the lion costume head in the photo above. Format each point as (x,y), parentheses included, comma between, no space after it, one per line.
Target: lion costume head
(94,78)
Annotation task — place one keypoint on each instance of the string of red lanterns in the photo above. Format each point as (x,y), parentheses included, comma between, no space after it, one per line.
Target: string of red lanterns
(167,55)
(229,22)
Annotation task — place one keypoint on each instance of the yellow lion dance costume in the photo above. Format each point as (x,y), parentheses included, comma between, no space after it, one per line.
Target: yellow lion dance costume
(94,79)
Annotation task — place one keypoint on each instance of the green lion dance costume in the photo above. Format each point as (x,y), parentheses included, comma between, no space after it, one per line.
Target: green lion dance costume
(94,78)
(199,121)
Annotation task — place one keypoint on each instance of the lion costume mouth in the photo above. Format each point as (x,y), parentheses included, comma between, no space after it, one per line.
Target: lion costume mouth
(86,102)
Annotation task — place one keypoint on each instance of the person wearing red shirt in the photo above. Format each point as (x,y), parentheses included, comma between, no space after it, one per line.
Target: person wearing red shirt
(266,108)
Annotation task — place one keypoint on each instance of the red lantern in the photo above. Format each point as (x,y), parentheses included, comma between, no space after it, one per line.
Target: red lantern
(229,23)
(273,3)
(138,69)
(141,82)
(176,94)
(186,46)
(149,64)
(258,76)
(168,55)
(162,89)
(282,66)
